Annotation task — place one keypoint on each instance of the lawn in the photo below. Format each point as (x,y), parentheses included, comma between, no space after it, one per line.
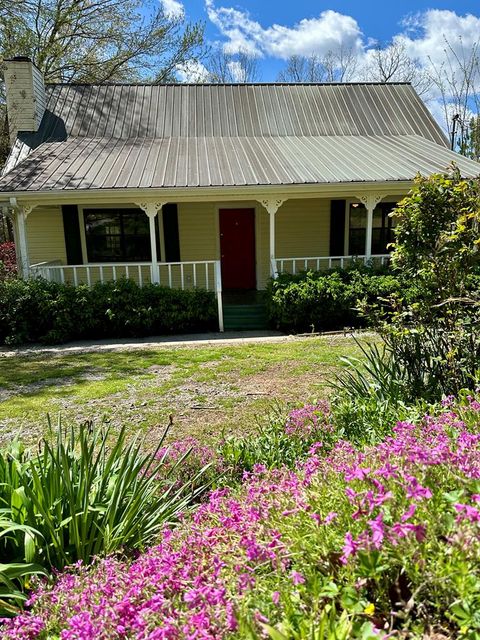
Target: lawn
(205,389)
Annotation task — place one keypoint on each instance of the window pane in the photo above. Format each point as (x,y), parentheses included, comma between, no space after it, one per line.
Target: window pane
(357,242)
(378,218)
(382,234)
(117,235)
(358,216)
(135,223)
(102,223)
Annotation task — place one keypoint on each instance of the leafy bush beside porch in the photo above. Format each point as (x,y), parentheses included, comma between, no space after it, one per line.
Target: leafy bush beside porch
(41,311)
(323,300)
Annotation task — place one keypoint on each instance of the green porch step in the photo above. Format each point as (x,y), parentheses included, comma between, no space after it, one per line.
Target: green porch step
(238,317)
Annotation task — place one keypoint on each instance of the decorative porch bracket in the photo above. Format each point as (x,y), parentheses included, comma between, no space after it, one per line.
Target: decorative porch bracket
(370,200)
(20,215)
(272,205)
(152,209)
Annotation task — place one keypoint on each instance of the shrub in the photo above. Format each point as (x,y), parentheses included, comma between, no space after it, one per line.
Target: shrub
(87,494)
(437,237)
(37,310)
(433,335)
(366,543)
(319,300)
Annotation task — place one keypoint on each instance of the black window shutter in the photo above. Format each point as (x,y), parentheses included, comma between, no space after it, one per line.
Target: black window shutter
(337,227)
(170,229)
(71,229)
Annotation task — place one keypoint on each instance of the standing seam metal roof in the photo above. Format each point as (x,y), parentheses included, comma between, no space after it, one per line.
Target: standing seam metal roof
(113,163)
(128,136)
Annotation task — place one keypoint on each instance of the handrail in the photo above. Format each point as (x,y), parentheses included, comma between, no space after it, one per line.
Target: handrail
(328,261)
(206,274)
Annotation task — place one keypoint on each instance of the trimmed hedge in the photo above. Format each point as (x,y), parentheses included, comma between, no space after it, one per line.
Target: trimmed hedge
(322,300)
(41,311)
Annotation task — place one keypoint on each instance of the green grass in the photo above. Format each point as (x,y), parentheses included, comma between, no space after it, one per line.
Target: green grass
(204,388)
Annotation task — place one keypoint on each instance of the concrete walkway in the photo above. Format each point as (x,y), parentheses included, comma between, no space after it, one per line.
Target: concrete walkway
(152,342)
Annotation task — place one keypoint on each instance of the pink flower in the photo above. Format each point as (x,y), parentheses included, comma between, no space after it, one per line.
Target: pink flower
(297,578)
(409,512)
(330,516)
(276,597)
(472,514)
(349,548)
(378,531)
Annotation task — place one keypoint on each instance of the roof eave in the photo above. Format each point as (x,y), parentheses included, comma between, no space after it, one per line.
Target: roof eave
(199,194)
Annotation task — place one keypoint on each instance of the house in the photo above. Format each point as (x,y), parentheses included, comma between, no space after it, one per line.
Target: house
(216,186)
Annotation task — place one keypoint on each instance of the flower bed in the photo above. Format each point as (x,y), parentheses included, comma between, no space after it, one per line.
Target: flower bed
(362,542)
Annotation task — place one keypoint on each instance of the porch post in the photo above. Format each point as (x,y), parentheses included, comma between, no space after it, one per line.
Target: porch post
(21,214)
(272,206)
(370,200)
(151,209)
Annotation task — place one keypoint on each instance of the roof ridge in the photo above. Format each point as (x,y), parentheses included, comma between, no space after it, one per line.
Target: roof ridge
(221,84)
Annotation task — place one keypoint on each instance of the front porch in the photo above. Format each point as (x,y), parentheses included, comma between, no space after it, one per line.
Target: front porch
(229,245)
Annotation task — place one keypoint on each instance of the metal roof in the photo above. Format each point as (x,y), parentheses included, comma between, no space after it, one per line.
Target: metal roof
(184,111)
(122,136)
(112,163)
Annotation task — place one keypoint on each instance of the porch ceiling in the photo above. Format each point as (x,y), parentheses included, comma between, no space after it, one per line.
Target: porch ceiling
(112,163)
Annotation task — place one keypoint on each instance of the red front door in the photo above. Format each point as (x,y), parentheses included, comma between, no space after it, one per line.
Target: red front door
(237,248)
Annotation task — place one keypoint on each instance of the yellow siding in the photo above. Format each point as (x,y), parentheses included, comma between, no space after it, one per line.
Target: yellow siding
(197,228)
(303,228)
(45,239)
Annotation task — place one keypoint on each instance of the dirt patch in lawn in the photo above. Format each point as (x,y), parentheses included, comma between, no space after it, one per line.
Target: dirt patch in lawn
(206,390)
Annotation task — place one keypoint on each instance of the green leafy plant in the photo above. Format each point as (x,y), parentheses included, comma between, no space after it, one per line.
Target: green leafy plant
(37,310)
(432,335)
(13,575)
(322,300)
(371,394)
(278,441)
(89,492)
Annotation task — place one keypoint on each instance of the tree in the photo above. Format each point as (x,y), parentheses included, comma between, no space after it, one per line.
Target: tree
(471,145)
(457,81)
(391,63)
(334,66)
(433,335)
(228,67)
(98,40)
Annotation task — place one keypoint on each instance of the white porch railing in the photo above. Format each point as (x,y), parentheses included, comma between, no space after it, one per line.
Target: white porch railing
(317,263)
(204,274)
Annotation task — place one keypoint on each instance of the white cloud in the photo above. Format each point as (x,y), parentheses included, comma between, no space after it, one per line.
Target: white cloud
(192,71)
(173,8)
(329,32)
(426,34)
(436,39)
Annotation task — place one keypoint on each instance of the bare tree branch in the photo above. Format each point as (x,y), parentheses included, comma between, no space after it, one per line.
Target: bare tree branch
(391,63)
(227,67)
(338,66)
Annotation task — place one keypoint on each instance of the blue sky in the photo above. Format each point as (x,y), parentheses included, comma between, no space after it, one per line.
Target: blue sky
(272,26)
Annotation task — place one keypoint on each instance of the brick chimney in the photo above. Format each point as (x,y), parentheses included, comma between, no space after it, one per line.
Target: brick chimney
(25,92)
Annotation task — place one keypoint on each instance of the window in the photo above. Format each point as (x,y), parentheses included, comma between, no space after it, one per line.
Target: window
(382,232)
(118,235)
